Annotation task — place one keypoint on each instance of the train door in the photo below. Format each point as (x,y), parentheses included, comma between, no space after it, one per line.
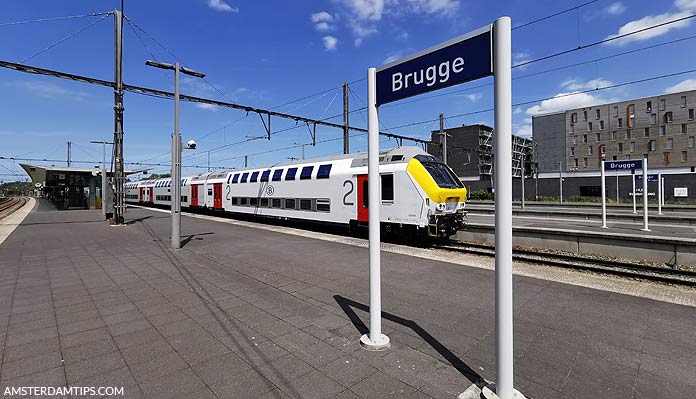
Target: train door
(194,195)
(363,211)
(217,195)
(140,199)
(151,196)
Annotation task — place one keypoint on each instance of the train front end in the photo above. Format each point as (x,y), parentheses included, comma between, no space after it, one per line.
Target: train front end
(444,195)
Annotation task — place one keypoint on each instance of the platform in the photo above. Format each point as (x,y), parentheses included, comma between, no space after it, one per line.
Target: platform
(256,312)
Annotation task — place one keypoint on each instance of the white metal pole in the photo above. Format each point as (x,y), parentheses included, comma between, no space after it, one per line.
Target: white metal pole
(659,193)
(662,190)
(560,181)
(617,186)
(645,195)
(604,197)
(176,168)
(633,182)
(502,63)
(522,203)
(375,340)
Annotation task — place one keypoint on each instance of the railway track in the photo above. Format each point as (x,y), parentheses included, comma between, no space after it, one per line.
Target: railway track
(665,274)
(9,205)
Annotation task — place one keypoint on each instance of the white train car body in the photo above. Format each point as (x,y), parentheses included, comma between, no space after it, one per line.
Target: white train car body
(417,191)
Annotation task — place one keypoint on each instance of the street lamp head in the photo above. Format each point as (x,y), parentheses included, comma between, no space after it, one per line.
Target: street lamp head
(191,145)
(158,64)
(191,72)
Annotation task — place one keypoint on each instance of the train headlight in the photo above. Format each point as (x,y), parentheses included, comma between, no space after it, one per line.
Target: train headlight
(440,207)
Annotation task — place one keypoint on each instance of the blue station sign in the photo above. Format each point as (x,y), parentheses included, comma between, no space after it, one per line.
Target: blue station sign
(651,178)
(629,164)
(462,59)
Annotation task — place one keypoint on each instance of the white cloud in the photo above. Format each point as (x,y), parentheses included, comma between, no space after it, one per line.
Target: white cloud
(443,7)
(565,101)
(50,90)
(523,131)
(521,57)
(616,8)
(685,7)
(473,97)
(322,26)
(220,5)
(518,110)
(527,120)
(688,84)
(575,85)
(330,42)
(322,21)
(209,107)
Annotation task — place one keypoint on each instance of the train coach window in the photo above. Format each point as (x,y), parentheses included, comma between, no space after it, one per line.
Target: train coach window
(306,173)
(275,203)
(184,198)
(235,179)
(243,201)
(277,174)
(291,174)
(366,193)
(253,201)
(265,175)
(210,191)
(306,204)
(289,203)
(244,177)
(387,187)
(235,200)
(323,205)
(228,178)
(396,158)
(324,171)
(254,177)
(264,202)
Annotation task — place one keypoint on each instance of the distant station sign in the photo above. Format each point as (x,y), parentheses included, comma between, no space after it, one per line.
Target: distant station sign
(651,178)
(629,164)
(462,59)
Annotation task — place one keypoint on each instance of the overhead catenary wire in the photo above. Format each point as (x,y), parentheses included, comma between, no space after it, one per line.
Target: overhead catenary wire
(575,8)
(68,37)
(50,19)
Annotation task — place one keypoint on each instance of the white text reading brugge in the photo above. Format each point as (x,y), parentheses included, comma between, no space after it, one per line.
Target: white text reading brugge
(429,76)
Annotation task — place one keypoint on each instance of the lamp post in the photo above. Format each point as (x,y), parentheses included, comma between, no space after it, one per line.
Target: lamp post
(103,189)
(176,149)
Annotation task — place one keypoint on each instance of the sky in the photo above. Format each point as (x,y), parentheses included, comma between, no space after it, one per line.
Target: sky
(271,54)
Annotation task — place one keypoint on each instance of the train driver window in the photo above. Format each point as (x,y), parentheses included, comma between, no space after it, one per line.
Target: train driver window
(387,188)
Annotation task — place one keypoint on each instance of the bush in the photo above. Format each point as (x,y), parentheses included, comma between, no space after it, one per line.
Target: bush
(480,195)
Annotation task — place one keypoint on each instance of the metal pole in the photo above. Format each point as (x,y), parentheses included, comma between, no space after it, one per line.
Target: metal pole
(444,138)
(633,182)
(604,196)
(645,195)
(617,186)
(176,167)
(103,187)
(119,173)
(69,143)
(662,190)
(536,174)
(522,199)
(560,181)
(246,161)
(502,64)
(375,340)
(659,193)
(208,161)
(346,137)
(303,152)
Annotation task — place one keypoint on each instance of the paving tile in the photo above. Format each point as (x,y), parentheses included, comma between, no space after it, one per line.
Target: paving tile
(380,385)
(93,366)
(31,349)
(84,337)
(31,365)
(347,370)
(250,384)
(26,337)
(152,368)
(178,384)
(54,377)
(220,368)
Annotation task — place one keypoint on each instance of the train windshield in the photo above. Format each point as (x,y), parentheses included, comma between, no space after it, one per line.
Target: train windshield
(441,173)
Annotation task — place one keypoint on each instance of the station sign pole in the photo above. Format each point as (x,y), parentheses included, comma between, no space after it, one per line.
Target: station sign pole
(645,195)
(662,190)
(659,193)
(604,196)
(633,183)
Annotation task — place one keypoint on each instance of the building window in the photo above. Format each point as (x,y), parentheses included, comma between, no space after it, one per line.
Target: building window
(633,146)
(669,117)
(663,130)
(613,135)
(589,151)
(683,101)
(691,114)
(584,115)
(614,158)
(648,105)
(653,119)
(683,129)
(631,114)
(599,137)
(572,128)
(620,122)
(628,134)
(584,138)
(692,141)
(589,126)
(598,113)
(574,117)
(647,132)
(665,157)
(575,162)
(572,151)
(620,147)
(601,125)
(663,105)
(575,139)
(670,143)
(683,156)
(584,162)
(652,145)
(616,111)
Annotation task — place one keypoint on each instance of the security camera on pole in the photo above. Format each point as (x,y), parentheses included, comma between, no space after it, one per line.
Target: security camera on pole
(176,150)
(481,53)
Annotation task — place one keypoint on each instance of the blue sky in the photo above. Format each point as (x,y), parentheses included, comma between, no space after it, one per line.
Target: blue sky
(268,53)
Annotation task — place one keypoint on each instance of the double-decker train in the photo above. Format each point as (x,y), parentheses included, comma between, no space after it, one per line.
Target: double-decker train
(419,193)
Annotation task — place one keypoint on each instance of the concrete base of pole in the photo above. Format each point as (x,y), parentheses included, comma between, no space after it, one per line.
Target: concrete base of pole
(488,392)
(645,230)
(370,345)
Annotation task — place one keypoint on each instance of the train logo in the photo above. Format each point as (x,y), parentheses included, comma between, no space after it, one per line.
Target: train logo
(270,190)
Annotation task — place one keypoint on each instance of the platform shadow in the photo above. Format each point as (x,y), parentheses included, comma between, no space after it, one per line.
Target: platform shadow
(193,237)
(347,305)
